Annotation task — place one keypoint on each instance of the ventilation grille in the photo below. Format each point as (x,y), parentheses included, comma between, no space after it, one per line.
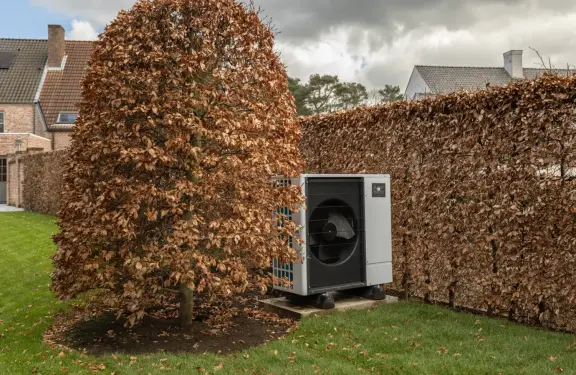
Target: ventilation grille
(283,271)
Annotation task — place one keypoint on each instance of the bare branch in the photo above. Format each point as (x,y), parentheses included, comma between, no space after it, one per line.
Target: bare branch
(541,59)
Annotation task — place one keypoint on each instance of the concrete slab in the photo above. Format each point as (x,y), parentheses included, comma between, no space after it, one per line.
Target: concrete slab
(6,208)
(285,308)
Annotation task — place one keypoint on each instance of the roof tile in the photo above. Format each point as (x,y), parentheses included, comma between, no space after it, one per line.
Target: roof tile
(445,79)
(62,89)
(20,82)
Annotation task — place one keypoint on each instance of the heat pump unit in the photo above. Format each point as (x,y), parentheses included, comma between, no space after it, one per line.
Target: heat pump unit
(346,239)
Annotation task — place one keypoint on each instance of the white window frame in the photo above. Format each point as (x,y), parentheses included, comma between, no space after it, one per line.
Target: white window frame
(58,121)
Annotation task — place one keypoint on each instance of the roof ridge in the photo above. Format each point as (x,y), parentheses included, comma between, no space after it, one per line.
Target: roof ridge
(485,67)
(459,66)
(45,40)
(25,39)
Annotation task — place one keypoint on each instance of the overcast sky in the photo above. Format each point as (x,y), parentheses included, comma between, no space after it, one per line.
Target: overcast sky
(378,42)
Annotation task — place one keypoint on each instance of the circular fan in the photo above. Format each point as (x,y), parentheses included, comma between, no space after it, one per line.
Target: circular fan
(333,227)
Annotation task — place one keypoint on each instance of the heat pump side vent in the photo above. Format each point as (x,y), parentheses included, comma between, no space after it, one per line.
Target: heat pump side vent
(279,270)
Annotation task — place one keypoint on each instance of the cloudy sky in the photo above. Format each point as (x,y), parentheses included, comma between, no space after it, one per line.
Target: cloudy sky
(374,42)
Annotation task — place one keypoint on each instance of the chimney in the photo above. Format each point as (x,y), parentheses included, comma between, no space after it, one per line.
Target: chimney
(56,46)
(513,63)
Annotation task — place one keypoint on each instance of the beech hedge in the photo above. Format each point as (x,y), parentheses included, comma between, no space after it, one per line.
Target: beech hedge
(483,193)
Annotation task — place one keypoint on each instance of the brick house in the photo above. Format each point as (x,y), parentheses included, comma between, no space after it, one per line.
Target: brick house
(40,85)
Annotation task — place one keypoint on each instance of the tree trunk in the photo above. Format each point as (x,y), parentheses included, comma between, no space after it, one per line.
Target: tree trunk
(186,306)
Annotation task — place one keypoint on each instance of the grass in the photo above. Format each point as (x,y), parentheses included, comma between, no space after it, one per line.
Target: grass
(406,338)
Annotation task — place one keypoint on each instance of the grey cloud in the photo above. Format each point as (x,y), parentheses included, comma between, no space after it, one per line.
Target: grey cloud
(380,24)
(302,20)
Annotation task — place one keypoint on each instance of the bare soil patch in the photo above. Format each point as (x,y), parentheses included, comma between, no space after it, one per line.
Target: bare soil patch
(238,326)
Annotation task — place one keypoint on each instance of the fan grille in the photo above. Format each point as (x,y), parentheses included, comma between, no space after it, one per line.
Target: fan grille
(333,231)
(282,271)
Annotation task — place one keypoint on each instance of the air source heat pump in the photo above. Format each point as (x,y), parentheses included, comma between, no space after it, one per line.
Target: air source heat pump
(346,239)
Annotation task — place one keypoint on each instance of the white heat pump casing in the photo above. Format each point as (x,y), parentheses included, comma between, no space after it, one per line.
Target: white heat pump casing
(378,237)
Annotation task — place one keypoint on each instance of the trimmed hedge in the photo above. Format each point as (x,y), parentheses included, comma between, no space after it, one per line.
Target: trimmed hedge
(483,193)
(43,181)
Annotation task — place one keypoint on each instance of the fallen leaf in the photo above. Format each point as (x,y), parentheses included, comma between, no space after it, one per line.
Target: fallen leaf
(552,358)
(219,366)
(559,369)
(61,354)
(442,350)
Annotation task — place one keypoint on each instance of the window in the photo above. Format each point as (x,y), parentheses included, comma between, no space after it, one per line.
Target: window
(3,170)
(1,122)
(67,117)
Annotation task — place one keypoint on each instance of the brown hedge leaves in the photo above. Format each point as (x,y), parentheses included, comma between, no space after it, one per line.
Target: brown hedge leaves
(186,116)
(483,195)
(43,179)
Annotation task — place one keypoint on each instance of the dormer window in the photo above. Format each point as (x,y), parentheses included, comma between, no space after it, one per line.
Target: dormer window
(67,117)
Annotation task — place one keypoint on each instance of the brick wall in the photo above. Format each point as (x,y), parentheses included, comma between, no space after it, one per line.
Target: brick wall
(61,140)
(8,143)
(15,178)
(18,118)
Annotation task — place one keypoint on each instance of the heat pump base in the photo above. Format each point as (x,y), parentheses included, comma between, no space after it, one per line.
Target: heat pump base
(375,292)
(324,301)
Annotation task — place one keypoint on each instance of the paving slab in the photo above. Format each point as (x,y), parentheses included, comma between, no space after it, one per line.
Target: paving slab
(6,208)
(343,302)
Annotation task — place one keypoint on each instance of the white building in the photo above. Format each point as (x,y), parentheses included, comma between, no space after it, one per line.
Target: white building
(430,80)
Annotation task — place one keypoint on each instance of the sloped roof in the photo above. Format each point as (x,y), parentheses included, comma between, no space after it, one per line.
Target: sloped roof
(19,83)
(62,89)
(445,79)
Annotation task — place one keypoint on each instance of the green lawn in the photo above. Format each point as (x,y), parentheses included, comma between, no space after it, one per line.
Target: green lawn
(406,338)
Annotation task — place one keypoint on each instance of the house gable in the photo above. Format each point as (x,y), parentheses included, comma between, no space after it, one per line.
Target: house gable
(416,85)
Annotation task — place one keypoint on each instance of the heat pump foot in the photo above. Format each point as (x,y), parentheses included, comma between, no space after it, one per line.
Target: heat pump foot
(375,292)
(325,301)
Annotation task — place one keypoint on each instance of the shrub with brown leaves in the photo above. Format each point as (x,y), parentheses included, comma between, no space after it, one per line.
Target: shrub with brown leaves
(483,193)
(185,118)
(42,183)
